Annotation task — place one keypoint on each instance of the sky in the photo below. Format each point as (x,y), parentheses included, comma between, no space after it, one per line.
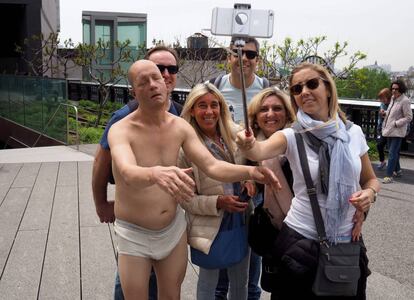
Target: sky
(382,29)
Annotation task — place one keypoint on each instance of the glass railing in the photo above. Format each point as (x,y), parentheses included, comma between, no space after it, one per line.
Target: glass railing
(32,101)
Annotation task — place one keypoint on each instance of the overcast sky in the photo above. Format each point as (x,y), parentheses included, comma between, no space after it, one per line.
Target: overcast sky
(382,29)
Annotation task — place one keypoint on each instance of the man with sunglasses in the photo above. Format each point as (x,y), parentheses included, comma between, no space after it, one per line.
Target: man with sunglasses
(166,60)
(231,87)
(230,84)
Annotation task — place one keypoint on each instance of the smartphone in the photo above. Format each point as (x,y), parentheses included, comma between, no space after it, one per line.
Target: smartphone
(242,21)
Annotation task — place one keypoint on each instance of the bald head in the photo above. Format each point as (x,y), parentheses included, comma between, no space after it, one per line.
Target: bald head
(138,67)
(147,81)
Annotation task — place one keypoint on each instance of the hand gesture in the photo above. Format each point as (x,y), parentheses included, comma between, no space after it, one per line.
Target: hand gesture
(265,176)
(231,203)
(105,211)
(174,181)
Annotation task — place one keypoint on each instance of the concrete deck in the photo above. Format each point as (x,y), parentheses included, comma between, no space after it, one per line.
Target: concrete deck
(52,245)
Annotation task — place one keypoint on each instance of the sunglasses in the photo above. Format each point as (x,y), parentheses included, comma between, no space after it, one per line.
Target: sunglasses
(250,54)
(171,69)
(311,84)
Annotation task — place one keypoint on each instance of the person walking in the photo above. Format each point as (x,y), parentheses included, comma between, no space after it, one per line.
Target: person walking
(397,118)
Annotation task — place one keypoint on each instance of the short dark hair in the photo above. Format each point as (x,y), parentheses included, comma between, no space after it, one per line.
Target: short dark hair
(162,48)
(246,40)
(402,88)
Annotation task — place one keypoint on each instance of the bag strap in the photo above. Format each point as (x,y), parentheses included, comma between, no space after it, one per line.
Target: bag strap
(310,187)
(216,81)
(265,82)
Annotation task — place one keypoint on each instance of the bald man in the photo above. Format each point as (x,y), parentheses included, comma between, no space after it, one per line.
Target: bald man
(150,227)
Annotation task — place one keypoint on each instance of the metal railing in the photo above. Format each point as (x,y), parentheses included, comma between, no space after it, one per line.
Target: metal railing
(67,125)
(16,140)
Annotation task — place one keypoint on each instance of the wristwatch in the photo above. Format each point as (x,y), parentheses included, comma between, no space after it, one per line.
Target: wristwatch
(375,194)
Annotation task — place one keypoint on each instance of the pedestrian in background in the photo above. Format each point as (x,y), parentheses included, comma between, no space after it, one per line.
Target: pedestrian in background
(395,125)
(385,97)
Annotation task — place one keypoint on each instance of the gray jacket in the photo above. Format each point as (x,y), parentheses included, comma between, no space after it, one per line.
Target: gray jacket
(398,116)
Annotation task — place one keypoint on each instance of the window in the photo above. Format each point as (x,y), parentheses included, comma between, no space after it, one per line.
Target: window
(87,32)
(103,34)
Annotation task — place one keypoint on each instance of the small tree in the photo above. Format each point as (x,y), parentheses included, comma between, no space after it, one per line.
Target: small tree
(39,53)
(43,55)
(199,65)
(103,64)
(277,61)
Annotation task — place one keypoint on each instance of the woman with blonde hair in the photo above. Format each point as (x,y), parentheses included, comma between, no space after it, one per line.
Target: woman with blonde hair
(215,203)
(340,170)
(268,112)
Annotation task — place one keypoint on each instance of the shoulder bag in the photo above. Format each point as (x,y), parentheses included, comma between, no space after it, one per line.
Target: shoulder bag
(230,244)
(228,248)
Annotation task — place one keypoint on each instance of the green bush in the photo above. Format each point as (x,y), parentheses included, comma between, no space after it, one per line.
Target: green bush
(372,152)
(90,135)
(113,106)
(91,119)
(88,104)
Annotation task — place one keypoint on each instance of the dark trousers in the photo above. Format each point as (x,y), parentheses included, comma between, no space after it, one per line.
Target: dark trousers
(381,143)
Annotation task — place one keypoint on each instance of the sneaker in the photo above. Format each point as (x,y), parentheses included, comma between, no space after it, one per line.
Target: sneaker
(381,165)
(387,180)
(397,174)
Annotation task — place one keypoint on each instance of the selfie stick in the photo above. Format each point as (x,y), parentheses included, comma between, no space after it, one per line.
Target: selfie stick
(240,44)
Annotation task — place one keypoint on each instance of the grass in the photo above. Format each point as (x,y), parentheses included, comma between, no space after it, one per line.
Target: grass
(88,111)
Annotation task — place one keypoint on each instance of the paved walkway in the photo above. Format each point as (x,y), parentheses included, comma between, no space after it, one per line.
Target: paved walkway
(52,245)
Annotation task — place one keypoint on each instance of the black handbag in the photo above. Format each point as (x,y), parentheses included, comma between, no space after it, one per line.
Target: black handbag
(338,269)
(261,232)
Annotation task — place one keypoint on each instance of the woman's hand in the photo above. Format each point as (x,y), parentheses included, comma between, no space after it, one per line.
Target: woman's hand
(358,219)
(265,176)
(250,187)
(362,200)
(231,203)
(245,142)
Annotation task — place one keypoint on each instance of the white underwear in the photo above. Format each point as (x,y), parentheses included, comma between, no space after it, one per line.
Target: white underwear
(155,244)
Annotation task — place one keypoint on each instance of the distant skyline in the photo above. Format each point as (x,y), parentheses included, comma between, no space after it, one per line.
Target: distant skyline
(382,29)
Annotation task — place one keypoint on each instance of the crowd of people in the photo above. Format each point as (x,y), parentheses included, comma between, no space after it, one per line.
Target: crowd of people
(204,171)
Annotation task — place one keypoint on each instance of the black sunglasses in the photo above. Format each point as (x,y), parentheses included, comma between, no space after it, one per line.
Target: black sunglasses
(311,84)
(171,69)
(250,54)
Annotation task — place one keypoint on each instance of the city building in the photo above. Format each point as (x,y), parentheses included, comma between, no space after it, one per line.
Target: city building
(108,28)
(20,20)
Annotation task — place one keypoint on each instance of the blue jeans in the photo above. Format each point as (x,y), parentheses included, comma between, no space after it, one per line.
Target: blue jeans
(152,293)
(237,275)
(394,145)
(254,291)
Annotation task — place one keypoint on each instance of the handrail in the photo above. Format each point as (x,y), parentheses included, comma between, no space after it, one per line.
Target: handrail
(16,140)
(67,133)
